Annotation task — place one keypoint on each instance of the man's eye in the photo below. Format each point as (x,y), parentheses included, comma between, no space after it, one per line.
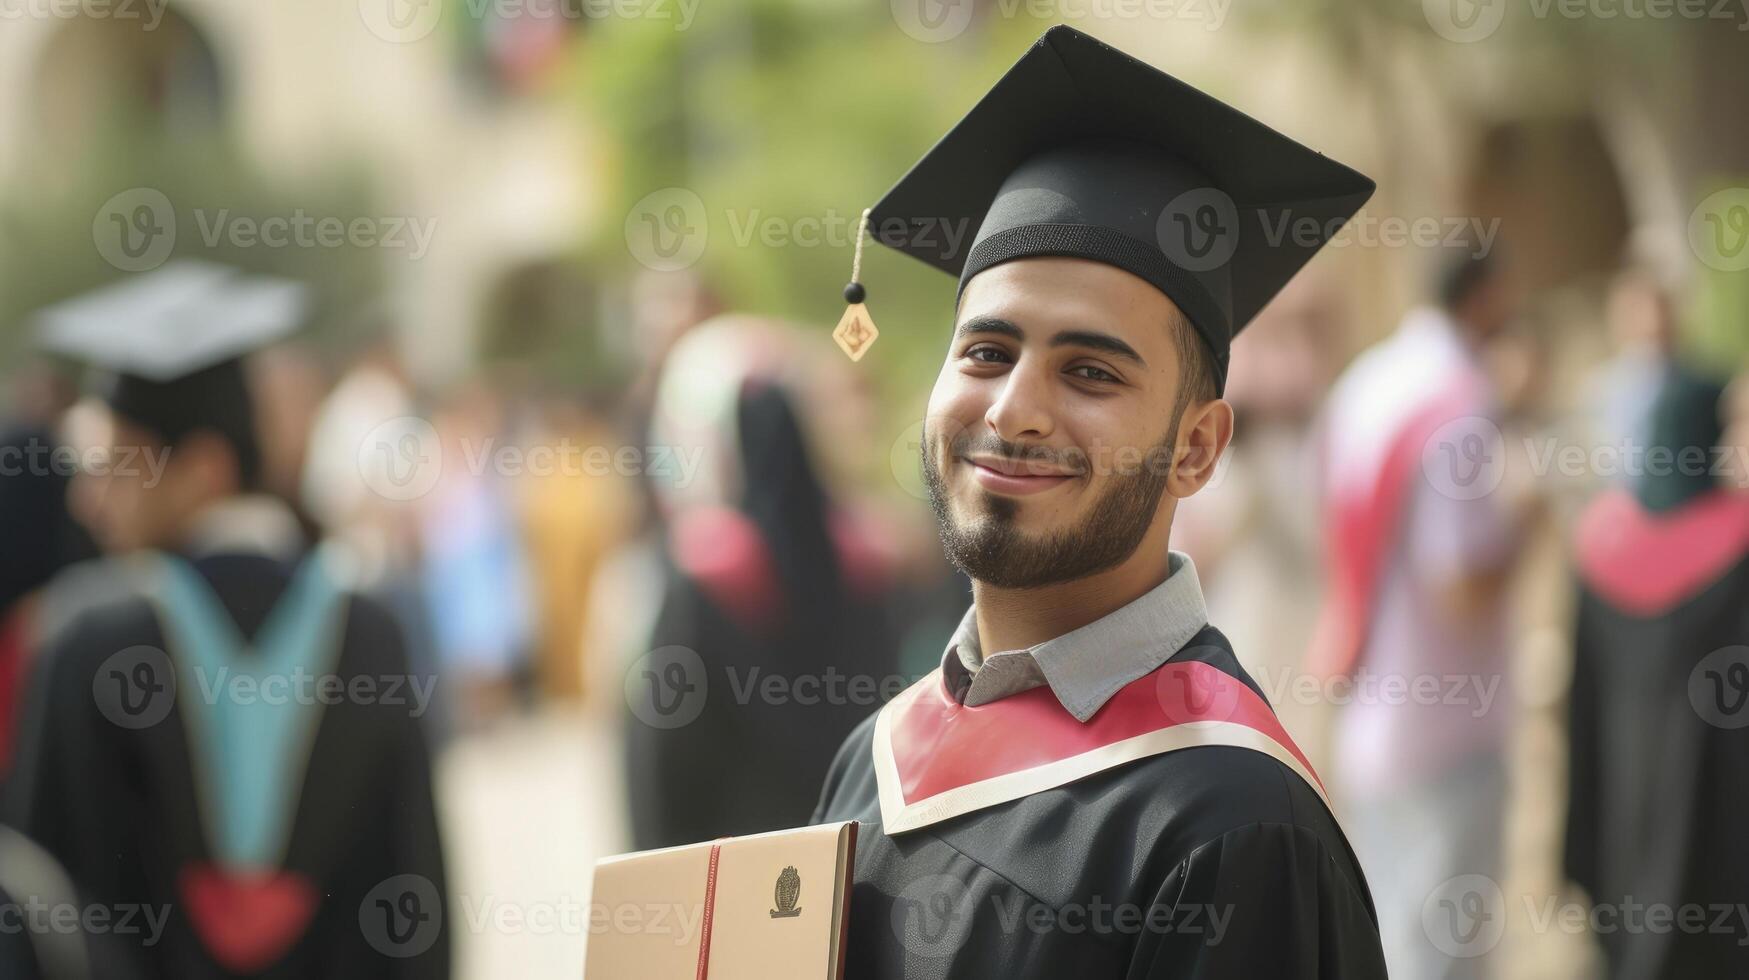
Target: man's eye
(1093,373)
(988,354)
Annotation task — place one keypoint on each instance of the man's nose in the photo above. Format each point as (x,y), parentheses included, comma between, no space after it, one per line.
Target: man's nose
(1023,409)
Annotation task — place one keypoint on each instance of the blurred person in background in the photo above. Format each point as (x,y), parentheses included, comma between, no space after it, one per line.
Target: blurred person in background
(37,527)
(664,306)
(342,485)
(340,492)
(1641,319)
(557,373)
(1642,324)
(1658,722)
(1420,549)
(475,571)
(769,642)
(290,386)
(572,515)
(621,609)
(237,741)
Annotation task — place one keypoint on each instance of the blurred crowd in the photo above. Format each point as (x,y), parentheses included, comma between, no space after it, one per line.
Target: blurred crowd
(1482,537)
(691,561)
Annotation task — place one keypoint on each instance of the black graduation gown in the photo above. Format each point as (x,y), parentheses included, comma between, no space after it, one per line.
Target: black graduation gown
(769,645)
(43,921)
(1205,862)
(117,806)
(738,756)
(1659,732)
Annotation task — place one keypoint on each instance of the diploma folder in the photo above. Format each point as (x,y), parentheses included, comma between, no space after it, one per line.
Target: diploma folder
(764,907)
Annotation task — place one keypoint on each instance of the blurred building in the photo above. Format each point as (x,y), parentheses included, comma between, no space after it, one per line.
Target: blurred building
(448,120)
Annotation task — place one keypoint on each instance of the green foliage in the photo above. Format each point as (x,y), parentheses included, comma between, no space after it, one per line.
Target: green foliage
(1716,328)
(787,118)
(48,250)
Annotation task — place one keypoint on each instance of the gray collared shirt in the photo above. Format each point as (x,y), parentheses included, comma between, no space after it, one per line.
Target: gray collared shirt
(1084,667)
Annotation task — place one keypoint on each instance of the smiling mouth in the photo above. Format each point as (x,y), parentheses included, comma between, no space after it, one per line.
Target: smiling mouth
(1015,477)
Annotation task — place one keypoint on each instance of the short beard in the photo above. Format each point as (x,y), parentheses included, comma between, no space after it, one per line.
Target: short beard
(991,550)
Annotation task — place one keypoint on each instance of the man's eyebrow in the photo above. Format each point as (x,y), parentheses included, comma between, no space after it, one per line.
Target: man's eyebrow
(1091,339)
(1097,341)
(989,324)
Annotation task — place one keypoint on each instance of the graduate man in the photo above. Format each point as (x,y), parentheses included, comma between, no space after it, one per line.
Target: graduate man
(234,750)
(1659,711)
(1090,785)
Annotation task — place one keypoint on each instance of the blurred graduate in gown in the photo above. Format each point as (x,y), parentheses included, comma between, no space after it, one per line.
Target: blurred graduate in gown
(770,642)
(1659,723)
(238,741)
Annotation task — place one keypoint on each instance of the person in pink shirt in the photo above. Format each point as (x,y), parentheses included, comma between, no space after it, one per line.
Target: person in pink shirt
(1413,638)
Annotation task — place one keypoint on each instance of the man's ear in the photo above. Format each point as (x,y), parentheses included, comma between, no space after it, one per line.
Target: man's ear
(1203,434)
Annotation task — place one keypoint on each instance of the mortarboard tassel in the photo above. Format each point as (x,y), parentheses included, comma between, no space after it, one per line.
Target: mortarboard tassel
(856,331)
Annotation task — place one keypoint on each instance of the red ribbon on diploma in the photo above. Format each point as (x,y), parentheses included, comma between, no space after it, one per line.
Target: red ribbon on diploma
(710,906)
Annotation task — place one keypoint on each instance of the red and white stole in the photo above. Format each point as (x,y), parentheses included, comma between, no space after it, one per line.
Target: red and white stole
(935,758)
(1647,563)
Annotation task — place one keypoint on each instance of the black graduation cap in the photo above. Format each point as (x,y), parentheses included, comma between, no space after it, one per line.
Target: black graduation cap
(1081,150)
(170,344)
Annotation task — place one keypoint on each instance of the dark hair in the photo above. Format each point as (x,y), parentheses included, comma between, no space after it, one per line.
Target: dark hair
(1196,367)
(1459,275)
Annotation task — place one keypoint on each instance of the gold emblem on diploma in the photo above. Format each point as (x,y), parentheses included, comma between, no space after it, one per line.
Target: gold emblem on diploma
(789,889)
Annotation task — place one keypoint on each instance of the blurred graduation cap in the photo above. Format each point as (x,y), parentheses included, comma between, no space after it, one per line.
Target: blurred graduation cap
(170,344)
(1081,150)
